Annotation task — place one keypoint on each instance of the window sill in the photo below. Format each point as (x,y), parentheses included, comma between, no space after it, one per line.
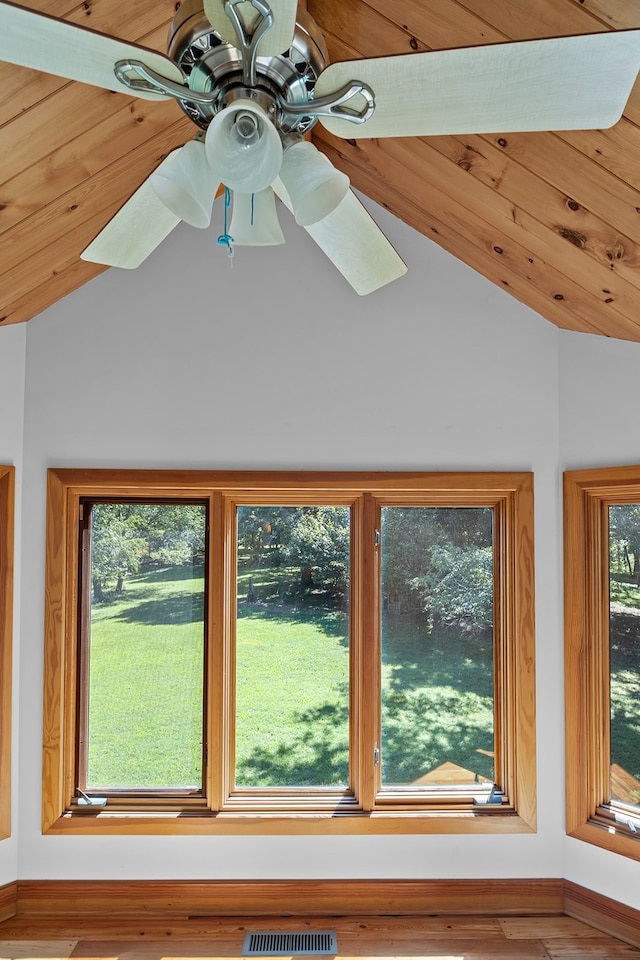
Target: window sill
(604,832)
(190,823)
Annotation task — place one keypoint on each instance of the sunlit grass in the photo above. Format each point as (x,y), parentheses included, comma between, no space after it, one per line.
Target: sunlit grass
(145,686)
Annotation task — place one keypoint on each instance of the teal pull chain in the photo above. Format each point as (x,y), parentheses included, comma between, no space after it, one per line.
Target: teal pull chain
(225,239)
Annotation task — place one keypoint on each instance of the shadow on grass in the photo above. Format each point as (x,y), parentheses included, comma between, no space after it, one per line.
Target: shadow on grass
(319,755)
(184,571)
(437,700)
(438,707)
(333,623)
(174,609)
(422,730)
(454,657)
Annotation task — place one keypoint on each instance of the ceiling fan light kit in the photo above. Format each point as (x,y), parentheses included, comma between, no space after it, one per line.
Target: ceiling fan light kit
(254,77)
(187,185)
(244,147)
(312,182)
(254,220)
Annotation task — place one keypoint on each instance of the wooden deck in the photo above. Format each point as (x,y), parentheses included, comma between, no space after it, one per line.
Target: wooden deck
(436,938)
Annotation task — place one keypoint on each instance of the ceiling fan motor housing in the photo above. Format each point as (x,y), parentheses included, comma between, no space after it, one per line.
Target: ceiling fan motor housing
(212,65)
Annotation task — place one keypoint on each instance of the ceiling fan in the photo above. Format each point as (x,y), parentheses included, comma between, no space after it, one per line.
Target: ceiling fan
(254,77)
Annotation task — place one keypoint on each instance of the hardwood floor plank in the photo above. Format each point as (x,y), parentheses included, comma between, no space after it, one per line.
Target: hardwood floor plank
(349,928)
(598,948)
(527,928)
(36,949)
(157,950)
(554,937)
(378,947)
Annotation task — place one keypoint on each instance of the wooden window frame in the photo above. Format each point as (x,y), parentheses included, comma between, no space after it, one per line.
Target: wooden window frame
(119,796)
(281,811)
(587,497)
(7,489)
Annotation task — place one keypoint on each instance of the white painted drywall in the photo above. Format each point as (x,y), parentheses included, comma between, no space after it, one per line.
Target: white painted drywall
(272,362)
(600,427)
(12,372)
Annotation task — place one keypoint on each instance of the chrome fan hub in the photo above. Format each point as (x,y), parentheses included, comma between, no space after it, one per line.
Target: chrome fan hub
(211,65)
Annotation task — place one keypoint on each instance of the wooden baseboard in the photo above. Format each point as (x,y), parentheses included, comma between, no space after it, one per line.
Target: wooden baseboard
(602,913)
(193,898)
(8,901)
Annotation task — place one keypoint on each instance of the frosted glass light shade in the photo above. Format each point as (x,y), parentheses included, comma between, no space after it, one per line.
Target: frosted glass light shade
(312,182)
(244,147)
(186,184)
(254,221)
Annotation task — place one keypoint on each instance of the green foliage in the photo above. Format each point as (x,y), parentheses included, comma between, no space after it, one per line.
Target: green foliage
(116,548)
(128,537)
(624,539)
(320,542)
(438,561)
(314,539)
(458,587)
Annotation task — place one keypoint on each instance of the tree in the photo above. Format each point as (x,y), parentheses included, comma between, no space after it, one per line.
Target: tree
(116,550)
(624,535)
(319,544)
(459,585)
(262,531)
(438,561)
(127,537)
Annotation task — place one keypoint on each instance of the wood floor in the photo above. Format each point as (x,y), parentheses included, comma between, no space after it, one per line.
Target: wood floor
(437,938)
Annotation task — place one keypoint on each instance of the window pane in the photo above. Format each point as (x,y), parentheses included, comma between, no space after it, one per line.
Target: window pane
(624,651)
(146,652)
(292,647)
(437,646)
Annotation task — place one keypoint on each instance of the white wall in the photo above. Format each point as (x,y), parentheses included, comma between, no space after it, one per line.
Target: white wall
(599,428)
(12,371)
(274,363)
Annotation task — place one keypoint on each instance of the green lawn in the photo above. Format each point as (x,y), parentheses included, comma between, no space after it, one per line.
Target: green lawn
(292,691)
(292,698)
(625,675)
(145,701)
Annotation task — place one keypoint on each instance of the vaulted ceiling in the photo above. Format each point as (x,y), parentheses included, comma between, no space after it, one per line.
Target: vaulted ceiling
(553,218)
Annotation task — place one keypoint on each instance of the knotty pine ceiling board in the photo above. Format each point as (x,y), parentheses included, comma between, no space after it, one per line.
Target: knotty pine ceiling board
(553,218)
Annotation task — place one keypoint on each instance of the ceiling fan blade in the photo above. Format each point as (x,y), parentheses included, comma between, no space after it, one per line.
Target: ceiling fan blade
(135,231)
(567,83)
(276,40)
(36,40)
(354,243)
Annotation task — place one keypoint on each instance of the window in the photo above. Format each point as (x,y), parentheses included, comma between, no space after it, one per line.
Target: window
(6,600)
(264,651)
(602,610)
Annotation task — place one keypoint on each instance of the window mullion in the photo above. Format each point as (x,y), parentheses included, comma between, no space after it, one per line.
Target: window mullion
(84,641)
(223,601)
(369,674)
(214,675)
(504,625)
(598,659)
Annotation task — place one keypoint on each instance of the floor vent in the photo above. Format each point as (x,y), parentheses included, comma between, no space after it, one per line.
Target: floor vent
(289,943)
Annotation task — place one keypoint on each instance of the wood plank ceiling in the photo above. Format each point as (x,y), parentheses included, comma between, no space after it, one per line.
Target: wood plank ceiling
(554,218)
